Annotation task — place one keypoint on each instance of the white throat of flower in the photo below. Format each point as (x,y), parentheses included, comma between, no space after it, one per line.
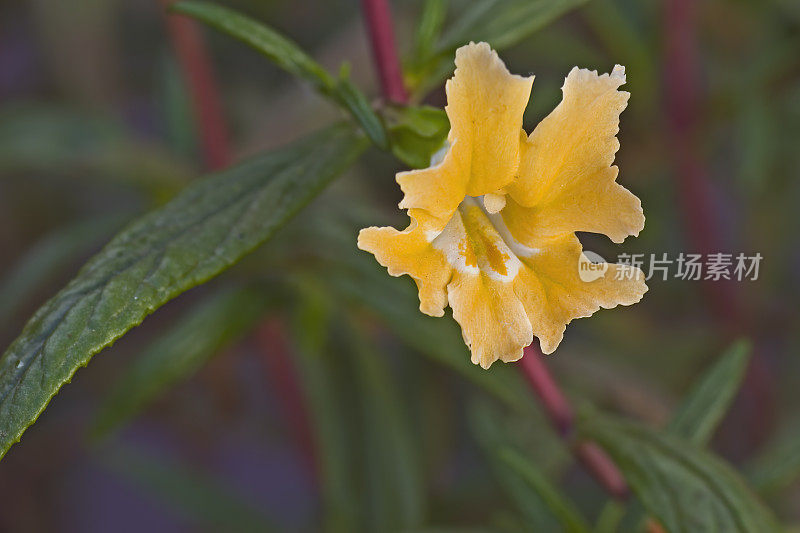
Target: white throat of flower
(476,241)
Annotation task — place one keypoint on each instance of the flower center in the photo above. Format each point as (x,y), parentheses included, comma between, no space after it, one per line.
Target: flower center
(482,243)
(477,241)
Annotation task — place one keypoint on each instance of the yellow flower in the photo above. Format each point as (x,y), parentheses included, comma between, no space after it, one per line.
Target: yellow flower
(493,223)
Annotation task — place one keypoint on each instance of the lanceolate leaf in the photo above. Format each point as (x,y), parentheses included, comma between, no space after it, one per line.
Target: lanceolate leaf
(54,140)
(430,25)
(279,49)
(610,517)
(180,352)
(330,420)
(430,336)
(686,488)
(558,504)
(501,23)
(203,231)
(534,500)
(290,57)
(778,464)
(371,477)
(706,404)
(393,478)
(349,97)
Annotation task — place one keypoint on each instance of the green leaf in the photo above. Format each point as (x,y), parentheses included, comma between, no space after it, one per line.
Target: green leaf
(50,255)
(181,133)
(435,338)
(621,36)
(195,495)
(508,21)
(492,436)
(359,418)
(703,408)
(356,103)
(463,28)
(180,352)
(56,141)
(394,480)
(430,26)
(290,57)
(501,23)
(610,517)
(203,231)
(778,464)
(564,510)
(279,49)
(685,487)
(758,131)
(331,422)
(417,133)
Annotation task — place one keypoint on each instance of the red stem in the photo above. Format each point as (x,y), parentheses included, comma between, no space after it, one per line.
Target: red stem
(562,417)
(602,468)
(555,403)
(384,52)
(199,77)
(696,197)
(699,208)
(271,342)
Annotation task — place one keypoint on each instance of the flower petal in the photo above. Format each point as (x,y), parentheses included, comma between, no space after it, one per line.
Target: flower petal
(485,104)
(565,174)
(551,289)
(481,293)
(492,318)
(410,252)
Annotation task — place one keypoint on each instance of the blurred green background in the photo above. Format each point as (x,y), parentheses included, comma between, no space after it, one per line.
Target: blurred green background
(302,388)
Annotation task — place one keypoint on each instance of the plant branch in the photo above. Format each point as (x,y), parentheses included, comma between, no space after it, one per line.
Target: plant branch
(384,51)
(562,417)
(198,75)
